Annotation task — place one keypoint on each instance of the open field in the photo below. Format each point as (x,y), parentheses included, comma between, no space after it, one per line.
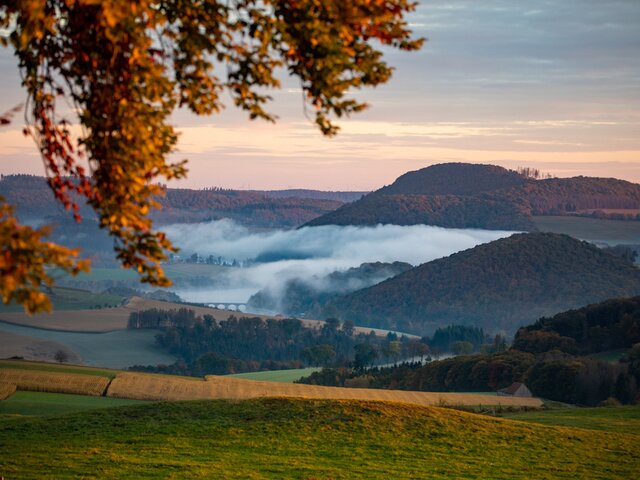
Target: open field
(59,368)
(143,386)
(29,348)
(609,419)
(110,319)
(595,230)
(64,298)
(54,382)
(305,439)
(119,349)
(174,271)
(146,386)
(287,376)
(44,403)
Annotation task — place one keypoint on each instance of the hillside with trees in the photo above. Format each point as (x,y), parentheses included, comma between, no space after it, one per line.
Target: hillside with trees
(459,195)
(205,345)
(35,201)
(549,356)
(498,286)
(610,325)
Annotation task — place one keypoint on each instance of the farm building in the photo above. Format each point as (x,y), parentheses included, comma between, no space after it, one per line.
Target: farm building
(516,389)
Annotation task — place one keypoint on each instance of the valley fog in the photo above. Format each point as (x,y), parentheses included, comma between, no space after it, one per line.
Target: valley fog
(272,258)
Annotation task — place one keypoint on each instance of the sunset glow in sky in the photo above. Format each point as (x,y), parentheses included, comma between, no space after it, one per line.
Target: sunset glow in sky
(553,85)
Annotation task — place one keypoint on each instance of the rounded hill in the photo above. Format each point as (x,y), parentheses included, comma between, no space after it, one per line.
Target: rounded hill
(499,286)
(453,179)
(462,195)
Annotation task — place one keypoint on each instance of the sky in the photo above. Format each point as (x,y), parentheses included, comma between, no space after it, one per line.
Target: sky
(553,85)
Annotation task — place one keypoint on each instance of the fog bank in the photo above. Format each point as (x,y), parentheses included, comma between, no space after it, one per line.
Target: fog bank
(311,252)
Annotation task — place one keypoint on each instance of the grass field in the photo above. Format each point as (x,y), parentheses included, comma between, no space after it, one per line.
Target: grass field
(592,229)
(117,349)
(44,403)
(110,319)
(305,439)
(144,386)
(288,376)
(610,419)
(49,367)
(54,382)
(175,271)
(72,299)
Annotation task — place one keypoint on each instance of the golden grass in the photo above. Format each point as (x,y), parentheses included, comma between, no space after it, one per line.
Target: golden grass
(54,382)
(140,386)
(6,390)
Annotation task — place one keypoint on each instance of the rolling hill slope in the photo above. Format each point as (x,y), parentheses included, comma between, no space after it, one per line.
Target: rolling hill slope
(305,439)
(498,286)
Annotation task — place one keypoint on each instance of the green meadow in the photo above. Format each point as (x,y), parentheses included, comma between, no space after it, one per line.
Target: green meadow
(48,404)
(288,376)
(592,229)
(609,419)
(306,439)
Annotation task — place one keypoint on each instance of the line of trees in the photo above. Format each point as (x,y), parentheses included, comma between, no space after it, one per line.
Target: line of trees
(206,345)
(552,357)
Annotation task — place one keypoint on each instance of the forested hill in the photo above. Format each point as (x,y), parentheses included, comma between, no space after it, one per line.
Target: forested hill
(610,325)
(500,285)
(453,179)
(34,200)
(459,195)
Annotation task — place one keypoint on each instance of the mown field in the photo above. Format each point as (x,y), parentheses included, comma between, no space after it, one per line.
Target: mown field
(110,319)
(174,271)
(117,349)
(64,298)
(609,419)
(48,404)
(288,376)
(592,229)
(51,367)
(305,439)
(144,386)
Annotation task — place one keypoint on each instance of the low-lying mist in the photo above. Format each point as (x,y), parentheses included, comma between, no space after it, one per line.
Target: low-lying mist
(310,253)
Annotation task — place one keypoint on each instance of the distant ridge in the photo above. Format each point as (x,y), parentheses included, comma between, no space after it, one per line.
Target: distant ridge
(462,195)
(277,208)
(499,286)
(340,196)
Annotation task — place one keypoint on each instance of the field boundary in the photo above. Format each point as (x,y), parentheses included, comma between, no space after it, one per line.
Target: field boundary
(6,390)
(54,382)
(154,387)
(143,386)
